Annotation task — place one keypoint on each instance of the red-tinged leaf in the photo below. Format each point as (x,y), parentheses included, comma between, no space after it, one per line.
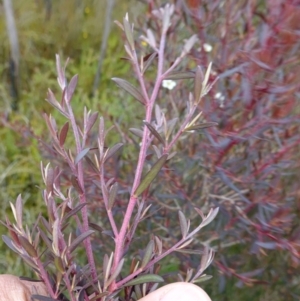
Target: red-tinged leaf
(145,279)
(96,227)
(50,125)
(128,87)
(63,134)
(9,243)
(282,89)
(52,100)
(73,211)
(49,174)
(80,239)
(150,176)
(91,121)
(91,164)
(261,64)
(76,185)
(111,151)
(154,132)
(71,88)
(81,155)
(148,59)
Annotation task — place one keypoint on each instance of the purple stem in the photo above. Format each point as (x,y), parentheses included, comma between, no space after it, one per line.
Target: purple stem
(120,239)
(87,241)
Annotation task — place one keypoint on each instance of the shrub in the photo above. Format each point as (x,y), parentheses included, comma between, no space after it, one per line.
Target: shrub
(249,164)
(88,177)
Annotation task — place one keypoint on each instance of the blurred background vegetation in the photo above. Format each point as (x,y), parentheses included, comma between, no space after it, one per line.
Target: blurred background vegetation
(73,29)
(76,29)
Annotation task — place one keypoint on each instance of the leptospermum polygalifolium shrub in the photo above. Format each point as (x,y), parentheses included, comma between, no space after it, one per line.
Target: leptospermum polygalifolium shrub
(249,164)
(51,246)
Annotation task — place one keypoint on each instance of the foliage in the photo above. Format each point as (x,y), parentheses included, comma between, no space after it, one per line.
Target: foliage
(21,124)
(83,176)
(249,164)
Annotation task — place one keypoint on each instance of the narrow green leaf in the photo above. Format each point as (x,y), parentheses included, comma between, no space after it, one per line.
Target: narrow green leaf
(210,217)
(116,273)
(81,155)
(59,264)
(128,87)
(128,33)
(112,195)
(189,251)
(45,238)
(46,225)
(28,247)
(205,81)
(154,132)
(145,279)
(42,298)
(198,84)
(136,132)
(174,75)
(108,267)
(55,236)
(202,278)
(200,126)
(80,239)
(190,43)
(150,176)
(148,253)
(158,243)
(183,224)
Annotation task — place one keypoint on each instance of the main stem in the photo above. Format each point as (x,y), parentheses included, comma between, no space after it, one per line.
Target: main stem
(120,239)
